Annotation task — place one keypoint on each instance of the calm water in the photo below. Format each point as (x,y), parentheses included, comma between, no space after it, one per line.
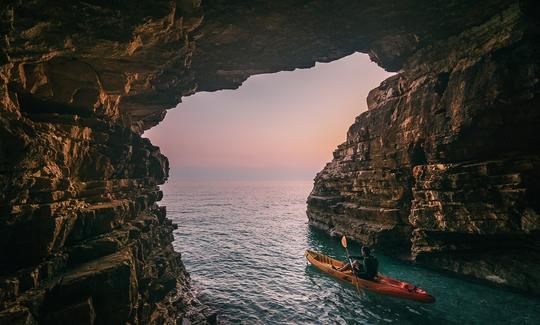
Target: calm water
(243,244)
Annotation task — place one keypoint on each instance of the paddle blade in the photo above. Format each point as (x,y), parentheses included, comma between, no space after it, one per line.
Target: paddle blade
(344,241)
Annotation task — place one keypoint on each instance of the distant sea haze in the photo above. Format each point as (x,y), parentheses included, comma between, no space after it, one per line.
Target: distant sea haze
(198,173)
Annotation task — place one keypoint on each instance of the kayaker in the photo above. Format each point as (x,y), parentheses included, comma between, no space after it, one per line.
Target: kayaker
(368,269)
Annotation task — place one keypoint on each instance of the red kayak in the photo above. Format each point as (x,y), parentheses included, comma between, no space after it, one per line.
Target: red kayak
(381,284)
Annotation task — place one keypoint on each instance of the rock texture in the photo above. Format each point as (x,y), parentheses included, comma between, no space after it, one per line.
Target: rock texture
(126,62)
(82,240)
(443,165)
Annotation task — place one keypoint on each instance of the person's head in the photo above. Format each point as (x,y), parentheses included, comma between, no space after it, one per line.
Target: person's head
(366,250)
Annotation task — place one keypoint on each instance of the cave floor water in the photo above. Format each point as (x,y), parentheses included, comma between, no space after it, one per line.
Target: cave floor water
(243,243)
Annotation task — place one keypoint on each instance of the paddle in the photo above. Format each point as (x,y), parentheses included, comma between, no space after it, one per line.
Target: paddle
(344,244)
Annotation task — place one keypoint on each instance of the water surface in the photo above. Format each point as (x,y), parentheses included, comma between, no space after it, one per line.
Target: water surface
(243,244)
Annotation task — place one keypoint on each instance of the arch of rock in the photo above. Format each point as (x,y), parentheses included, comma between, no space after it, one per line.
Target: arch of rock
(443,167)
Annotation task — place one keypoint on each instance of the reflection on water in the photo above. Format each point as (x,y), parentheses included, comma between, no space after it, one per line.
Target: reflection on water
(243,244)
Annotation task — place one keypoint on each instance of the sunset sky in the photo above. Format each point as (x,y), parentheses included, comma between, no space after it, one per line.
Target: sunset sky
(275,126)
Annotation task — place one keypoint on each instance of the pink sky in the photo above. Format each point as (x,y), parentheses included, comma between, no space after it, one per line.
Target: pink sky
(275,126)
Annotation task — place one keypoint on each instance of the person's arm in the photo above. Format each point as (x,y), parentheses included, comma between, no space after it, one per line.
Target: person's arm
(345,267)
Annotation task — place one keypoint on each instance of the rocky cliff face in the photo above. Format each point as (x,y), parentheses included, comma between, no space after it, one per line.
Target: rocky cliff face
(444,165)
(82,240)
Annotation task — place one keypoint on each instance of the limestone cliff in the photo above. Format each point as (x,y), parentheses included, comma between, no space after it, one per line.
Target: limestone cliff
(446,157)
(82,240)
(445,163)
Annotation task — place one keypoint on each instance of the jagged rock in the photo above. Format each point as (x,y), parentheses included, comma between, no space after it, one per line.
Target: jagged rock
(82,238)
(446,159)
(17,315)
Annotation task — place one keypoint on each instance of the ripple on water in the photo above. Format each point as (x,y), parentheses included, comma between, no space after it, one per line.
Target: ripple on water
(243,244)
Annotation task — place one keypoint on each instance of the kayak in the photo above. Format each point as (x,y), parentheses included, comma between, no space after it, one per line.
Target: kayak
(381,284)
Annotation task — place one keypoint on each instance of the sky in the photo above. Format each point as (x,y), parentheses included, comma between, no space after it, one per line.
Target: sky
(280,126)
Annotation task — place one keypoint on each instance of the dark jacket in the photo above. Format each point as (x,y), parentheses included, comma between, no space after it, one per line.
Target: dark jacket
(370,267)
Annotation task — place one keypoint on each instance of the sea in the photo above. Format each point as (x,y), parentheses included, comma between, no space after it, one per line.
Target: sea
(243,244)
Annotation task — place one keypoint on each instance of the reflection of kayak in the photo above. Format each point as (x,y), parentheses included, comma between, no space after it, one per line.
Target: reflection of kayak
(382,284)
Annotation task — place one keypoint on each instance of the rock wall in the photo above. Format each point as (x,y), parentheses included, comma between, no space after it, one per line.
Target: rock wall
(82,240)
(82,237)
(446,156)
(445,164)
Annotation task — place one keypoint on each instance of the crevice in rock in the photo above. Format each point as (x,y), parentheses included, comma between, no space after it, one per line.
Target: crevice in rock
(418,155)
(441,83)
(33,106)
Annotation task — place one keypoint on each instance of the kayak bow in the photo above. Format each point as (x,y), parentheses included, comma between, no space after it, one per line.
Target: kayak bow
(381,285)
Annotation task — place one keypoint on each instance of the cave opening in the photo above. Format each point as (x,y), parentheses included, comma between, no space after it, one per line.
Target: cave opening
(275,126)
(90,233)
(242,167)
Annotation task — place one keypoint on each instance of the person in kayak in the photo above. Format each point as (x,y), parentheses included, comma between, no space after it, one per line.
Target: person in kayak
(368,269)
